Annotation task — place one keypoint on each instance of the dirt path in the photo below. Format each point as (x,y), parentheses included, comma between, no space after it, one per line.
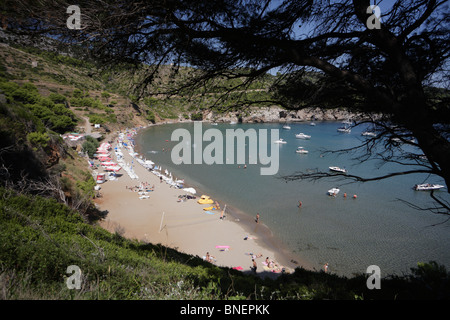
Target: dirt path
(87,125)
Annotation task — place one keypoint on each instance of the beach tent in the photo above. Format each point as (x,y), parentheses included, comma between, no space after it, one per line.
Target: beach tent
(190,190)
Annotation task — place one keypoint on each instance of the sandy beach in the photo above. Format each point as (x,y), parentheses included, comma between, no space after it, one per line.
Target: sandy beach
(161,218)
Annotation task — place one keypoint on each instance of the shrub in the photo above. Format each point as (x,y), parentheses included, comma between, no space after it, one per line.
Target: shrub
(38,139)
(197,116)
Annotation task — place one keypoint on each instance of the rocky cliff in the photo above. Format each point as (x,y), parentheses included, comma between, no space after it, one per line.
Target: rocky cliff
(278,114)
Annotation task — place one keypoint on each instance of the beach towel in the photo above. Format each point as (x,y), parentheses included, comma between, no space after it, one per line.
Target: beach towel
(238,268)
(209,212)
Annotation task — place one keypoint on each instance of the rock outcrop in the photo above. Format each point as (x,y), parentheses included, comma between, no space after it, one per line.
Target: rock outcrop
(278,114)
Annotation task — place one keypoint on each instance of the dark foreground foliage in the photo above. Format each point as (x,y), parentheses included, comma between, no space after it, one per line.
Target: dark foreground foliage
(40,238)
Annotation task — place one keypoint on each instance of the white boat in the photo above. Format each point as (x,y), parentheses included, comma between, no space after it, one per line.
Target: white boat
(337,169)
(279,141)
(286,127)
(369,133)
(333,191)
(301,150)
(301,135)
(312,124)
(344,129)
(427,186)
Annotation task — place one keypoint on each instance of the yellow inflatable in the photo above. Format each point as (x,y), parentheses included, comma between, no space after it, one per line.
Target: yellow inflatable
(205,200)
(212,208)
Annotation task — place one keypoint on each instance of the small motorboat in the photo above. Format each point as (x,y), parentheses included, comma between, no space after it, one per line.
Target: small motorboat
(427,186)
(312,124)
(286,127)
(301,150)
(344,129)
(333,191)
(337,169)
(280,141)
(301,135)
(369,134)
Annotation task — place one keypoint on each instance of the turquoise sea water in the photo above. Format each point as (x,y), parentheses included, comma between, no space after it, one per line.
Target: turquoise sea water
(349,234)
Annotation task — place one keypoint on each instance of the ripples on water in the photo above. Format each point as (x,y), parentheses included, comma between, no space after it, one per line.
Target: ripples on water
(350,234)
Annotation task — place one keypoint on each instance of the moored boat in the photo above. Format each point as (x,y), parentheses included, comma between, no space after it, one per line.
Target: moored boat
(301,150)
(333,191)
(301,135)
(344,129)
(427,186)
(337,169)
(369,134)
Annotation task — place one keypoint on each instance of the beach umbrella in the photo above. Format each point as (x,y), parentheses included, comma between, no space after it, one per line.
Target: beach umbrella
(113,168)
(108,163)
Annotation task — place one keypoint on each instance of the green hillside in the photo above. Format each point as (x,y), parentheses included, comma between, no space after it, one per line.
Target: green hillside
(110,96)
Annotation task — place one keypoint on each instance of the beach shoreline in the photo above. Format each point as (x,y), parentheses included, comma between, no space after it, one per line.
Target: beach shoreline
(183,225)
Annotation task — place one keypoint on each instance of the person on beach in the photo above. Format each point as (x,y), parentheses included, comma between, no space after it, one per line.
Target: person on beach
(325,267)
(299,204)
(209,257)
(257,218)
(254,267)
(254,256)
